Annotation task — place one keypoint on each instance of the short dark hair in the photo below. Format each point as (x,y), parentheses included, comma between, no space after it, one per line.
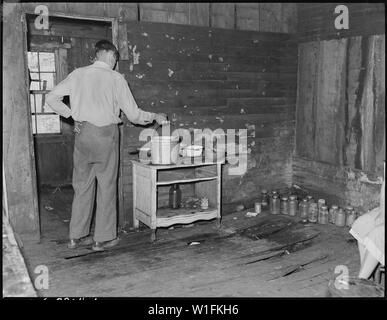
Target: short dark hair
(107,46)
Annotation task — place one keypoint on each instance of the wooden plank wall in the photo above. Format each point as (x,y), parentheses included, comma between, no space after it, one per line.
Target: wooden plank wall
(18,153)
(214,78)
(272,17)
(22,192)
(316,20)
(340,132)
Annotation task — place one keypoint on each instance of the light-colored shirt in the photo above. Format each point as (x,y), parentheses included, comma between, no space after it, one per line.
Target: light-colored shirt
(97,93)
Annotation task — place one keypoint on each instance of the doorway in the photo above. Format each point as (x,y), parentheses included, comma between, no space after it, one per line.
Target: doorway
(51,55)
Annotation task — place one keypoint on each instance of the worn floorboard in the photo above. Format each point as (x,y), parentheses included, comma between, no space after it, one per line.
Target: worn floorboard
(262,256)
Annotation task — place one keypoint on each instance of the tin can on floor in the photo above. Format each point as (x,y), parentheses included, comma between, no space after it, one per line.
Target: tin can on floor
(293,205)
(340,218)
(258,207)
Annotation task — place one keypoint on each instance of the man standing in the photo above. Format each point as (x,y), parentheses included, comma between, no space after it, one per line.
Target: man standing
(97,93)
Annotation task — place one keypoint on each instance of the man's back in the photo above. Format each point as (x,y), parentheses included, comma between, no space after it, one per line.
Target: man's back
(97,93)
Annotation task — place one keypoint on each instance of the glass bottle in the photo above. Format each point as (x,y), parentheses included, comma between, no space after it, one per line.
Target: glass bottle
(310,198)
(332,213)
(320,202)
(340,218)
(264,198)
(284,205)
(323,215)
(174,197)
(351,217)
(304,210)
(293,205)
(275,204)
(313,212)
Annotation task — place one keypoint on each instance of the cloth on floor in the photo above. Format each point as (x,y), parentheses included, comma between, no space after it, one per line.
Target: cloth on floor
(370,233)
(369,229)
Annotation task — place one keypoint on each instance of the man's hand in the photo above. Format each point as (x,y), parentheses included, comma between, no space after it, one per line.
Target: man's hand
(77,127)
(161,118)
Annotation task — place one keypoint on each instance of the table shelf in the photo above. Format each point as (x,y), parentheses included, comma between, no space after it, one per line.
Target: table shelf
(163,183)
(146,185)
(167,217)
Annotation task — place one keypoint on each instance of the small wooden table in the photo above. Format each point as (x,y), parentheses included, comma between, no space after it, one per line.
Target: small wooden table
(148,179)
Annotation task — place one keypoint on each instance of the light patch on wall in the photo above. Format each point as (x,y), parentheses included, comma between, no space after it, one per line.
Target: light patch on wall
(144,34)
(149,64)
(170,72)
(136,55)
(140,76)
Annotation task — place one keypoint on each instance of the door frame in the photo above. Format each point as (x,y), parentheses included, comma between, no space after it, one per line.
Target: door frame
(114,24)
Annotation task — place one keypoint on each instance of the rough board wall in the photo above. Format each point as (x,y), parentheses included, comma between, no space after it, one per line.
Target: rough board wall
(20,169)
(340,133)
(316,20)
(18,156)
(214,78)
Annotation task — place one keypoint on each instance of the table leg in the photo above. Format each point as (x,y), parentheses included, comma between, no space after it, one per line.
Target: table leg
(136,224)
(153,235)
(218,222)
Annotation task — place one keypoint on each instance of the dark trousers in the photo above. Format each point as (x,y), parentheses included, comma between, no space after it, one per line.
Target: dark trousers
(95,158)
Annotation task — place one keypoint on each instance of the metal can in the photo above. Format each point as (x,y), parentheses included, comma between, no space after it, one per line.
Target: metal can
(323,215)
(293,205)
(275,204)
(351,217)
(340,218)
(304,210)
(284,205)
(313,212)
(320,203)
(332,213)
(264,198)
(257,207)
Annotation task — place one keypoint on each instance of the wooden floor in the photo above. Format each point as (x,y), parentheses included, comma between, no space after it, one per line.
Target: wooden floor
(263,256)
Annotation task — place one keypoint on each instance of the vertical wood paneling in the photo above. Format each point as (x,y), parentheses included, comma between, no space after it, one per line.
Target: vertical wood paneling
(198,14)
(316,21)
(367,109)
(223,15)
(270,17)
(165,12)
(96,9)
(18,152)
(124,11)
(380,100)
(289,17)
(349,122)
(306,104)
(353,124)
(248,16)
(329,120)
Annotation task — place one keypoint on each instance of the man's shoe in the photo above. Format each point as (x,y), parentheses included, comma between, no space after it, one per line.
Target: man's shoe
(97,246)
(101,246)
(75,243)
(111,243)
